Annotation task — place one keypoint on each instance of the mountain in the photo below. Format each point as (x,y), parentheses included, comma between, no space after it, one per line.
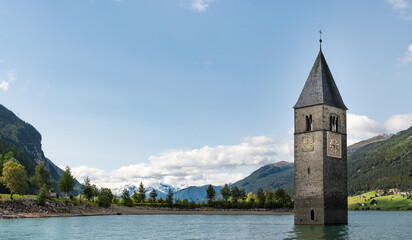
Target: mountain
(197,194)
(24,141)
(381,162)
(269,177)
(354,147)
(382,165)
(161,189)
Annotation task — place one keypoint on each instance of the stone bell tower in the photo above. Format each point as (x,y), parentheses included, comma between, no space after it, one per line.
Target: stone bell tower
(320,151)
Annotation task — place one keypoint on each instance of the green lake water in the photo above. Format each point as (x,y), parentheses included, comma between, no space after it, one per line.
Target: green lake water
(362,225)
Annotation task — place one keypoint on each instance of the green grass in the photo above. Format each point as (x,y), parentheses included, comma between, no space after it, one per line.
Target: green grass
(6,197)
(387,203)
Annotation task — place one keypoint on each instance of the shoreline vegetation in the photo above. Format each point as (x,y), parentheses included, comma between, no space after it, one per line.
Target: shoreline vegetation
(94,201)
(28,208)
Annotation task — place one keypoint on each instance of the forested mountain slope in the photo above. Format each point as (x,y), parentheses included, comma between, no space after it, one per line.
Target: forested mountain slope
(382,165)
(269,177)
(24,141)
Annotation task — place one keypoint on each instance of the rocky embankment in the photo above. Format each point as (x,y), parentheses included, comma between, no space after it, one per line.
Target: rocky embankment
(30,209)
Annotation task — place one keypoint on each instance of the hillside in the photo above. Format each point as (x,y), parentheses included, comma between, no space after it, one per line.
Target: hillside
(382,165)
(372,201)
(269,177)
(24,141)
(354,147)
(197,194)
(381,162)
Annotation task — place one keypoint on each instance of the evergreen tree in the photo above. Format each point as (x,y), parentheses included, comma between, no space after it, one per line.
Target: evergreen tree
(136,197)
(14,178)
(280,195)
(153,195)
(67,181)
(242,194)
(269,196)
(87,189)
(235,193)
(126,198)
(142,192)
(210,193)
(41,197)
(225,191)
(169,198)
(96,190)
(41,176)
(261,196)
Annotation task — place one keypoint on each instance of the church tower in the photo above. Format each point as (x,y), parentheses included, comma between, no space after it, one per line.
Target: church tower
(320,150)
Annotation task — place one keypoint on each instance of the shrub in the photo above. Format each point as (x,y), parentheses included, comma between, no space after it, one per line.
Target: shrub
(128,202)
(105,198)
(103,201)
(41,197)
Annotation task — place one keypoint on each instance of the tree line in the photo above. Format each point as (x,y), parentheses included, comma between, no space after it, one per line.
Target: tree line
(14,177)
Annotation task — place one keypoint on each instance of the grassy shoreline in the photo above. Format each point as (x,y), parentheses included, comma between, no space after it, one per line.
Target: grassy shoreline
(370,201)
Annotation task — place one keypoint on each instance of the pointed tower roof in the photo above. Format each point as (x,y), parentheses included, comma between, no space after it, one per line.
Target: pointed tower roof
(320,88)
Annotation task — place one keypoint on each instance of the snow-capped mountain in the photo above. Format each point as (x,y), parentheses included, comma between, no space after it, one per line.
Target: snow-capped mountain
(161,188)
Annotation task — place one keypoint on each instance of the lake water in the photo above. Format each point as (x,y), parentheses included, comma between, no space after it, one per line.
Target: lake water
(362,225)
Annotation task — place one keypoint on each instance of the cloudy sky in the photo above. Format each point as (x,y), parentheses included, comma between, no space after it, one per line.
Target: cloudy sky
(192,92)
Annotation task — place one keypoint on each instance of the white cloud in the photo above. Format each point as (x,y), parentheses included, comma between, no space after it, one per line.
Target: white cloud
(199,5)
(11,76)
(402,7)
(207,165)
(225,163)
(361,127)
(4,85)
(398,122)
(399,4)
(408,55)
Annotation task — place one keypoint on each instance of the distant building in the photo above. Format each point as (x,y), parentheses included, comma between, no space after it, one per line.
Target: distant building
(51,194)
(321,191)
(393,190)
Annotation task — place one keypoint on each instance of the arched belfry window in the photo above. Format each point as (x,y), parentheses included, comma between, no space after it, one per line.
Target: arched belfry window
(309,123)
(312,215)
(334,123)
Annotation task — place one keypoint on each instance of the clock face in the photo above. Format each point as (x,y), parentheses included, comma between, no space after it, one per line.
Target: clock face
(334,145)
(307,143)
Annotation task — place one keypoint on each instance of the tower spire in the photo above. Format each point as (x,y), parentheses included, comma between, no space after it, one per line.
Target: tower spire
(320,39)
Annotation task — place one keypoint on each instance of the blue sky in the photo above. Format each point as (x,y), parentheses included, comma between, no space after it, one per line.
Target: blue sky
(190,92)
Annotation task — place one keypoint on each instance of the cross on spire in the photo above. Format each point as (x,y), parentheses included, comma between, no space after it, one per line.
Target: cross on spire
(320,39)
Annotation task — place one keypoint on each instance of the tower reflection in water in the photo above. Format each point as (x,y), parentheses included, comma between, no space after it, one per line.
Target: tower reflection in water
(339,232)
